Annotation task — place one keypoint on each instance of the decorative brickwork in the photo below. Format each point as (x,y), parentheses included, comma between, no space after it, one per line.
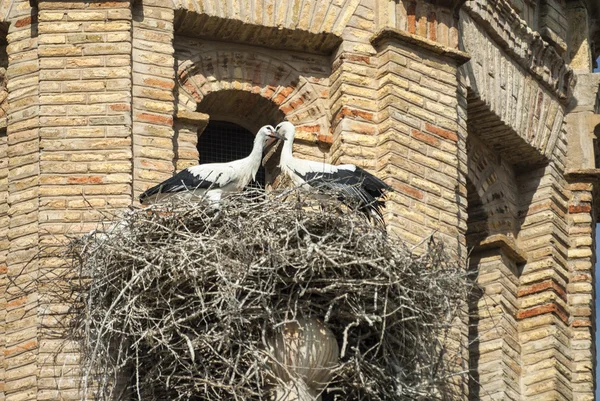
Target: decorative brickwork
(486,129)
(295,86)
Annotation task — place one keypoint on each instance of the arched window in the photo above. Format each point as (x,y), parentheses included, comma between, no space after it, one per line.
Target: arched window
(223,141)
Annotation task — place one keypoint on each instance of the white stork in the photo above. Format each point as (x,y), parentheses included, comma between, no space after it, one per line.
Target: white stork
(211,180)
(355,186)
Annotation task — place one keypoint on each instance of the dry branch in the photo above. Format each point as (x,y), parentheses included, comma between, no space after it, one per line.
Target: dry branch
(176,302)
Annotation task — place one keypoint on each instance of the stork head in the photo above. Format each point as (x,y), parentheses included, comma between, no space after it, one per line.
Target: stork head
(285,131)
(266,136)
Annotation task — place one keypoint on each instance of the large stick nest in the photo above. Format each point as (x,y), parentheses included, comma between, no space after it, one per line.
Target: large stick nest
(177,301)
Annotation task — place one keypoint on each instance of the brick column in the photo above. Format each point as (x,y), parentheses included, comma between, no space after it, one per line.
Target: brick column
(581,262)
(353,94)
(494,349)
(544,314)
(153,99)
(85,167)
(421,148)
(21,319)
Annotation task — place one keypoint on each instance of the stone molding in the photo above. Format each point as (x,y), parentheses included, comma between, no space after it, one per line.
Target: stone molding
(194,117)
(524,45)
(388,33)
(506,244)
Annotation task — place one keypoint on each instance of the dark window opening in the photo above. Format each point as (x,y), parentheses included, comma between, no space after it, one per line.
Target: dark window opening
(223,141)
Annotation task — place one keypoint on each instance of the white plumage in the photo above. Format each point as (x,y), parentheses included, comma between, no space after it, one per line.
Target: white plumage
(212,180)
(354,185)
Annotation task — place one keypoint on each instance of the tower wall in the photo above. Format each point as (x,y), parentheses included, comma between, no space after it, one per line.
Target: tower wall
(481,114)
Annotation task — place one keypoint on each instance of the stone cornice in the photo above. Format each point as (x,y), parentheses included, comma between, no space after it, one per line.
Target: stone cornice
(523,44)
(194,117)
(507,244)
(583,175)
(386,34)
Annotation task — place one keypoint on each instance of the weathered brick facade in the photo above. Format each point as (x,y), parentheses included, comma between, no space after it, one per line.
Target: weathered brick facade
(482,114)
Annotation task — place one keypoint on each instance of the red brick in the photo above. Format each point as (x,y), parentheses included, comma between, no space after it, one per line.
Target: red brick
(544,309)
(153,118)
(309,128)
(325,138)
(25,21)
(415,193)
(16,302)
(357,58)
(286,109)
(120,107)
(585,208)
(441,132)
(26,346)
(348,112)
(421,136)
(412,22)
(269,91)
(541,287)
(280,98)
(432,28)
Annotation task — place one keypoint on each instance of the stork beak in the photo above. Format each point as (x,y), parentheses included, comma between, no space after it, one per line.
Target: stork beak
(275,135)
(272,137)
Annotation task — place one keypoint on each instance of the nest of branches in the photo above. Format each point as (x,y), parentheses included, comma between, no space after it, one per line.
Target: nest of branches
(176,301)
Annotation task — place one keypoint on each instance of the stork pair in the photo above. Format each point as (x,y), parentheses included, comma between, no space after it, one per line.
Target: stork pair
(353,185)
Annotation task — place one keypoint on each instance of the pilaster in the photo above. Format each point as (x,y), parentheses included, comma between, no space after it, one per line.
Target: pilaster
(420,143)
(153,99)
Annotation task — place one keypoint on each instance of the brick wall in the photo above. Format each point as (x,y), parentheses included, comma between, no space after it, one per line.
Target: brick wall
(106,98)
(79,164)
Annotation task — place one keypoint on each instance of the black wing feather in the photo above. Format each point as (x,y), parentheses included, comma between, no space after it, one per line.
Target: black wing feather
(355,188)
(182,181)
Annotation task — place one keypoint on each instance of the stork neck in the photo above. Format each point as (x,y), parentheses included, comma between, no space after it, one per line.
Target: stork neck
(255,156)
(286,150)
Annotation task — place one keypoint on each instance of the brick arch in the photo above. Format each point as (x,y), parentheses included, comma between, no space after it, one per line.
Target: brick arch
(292,91)
(315,16)
(492,179)
(523,117)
